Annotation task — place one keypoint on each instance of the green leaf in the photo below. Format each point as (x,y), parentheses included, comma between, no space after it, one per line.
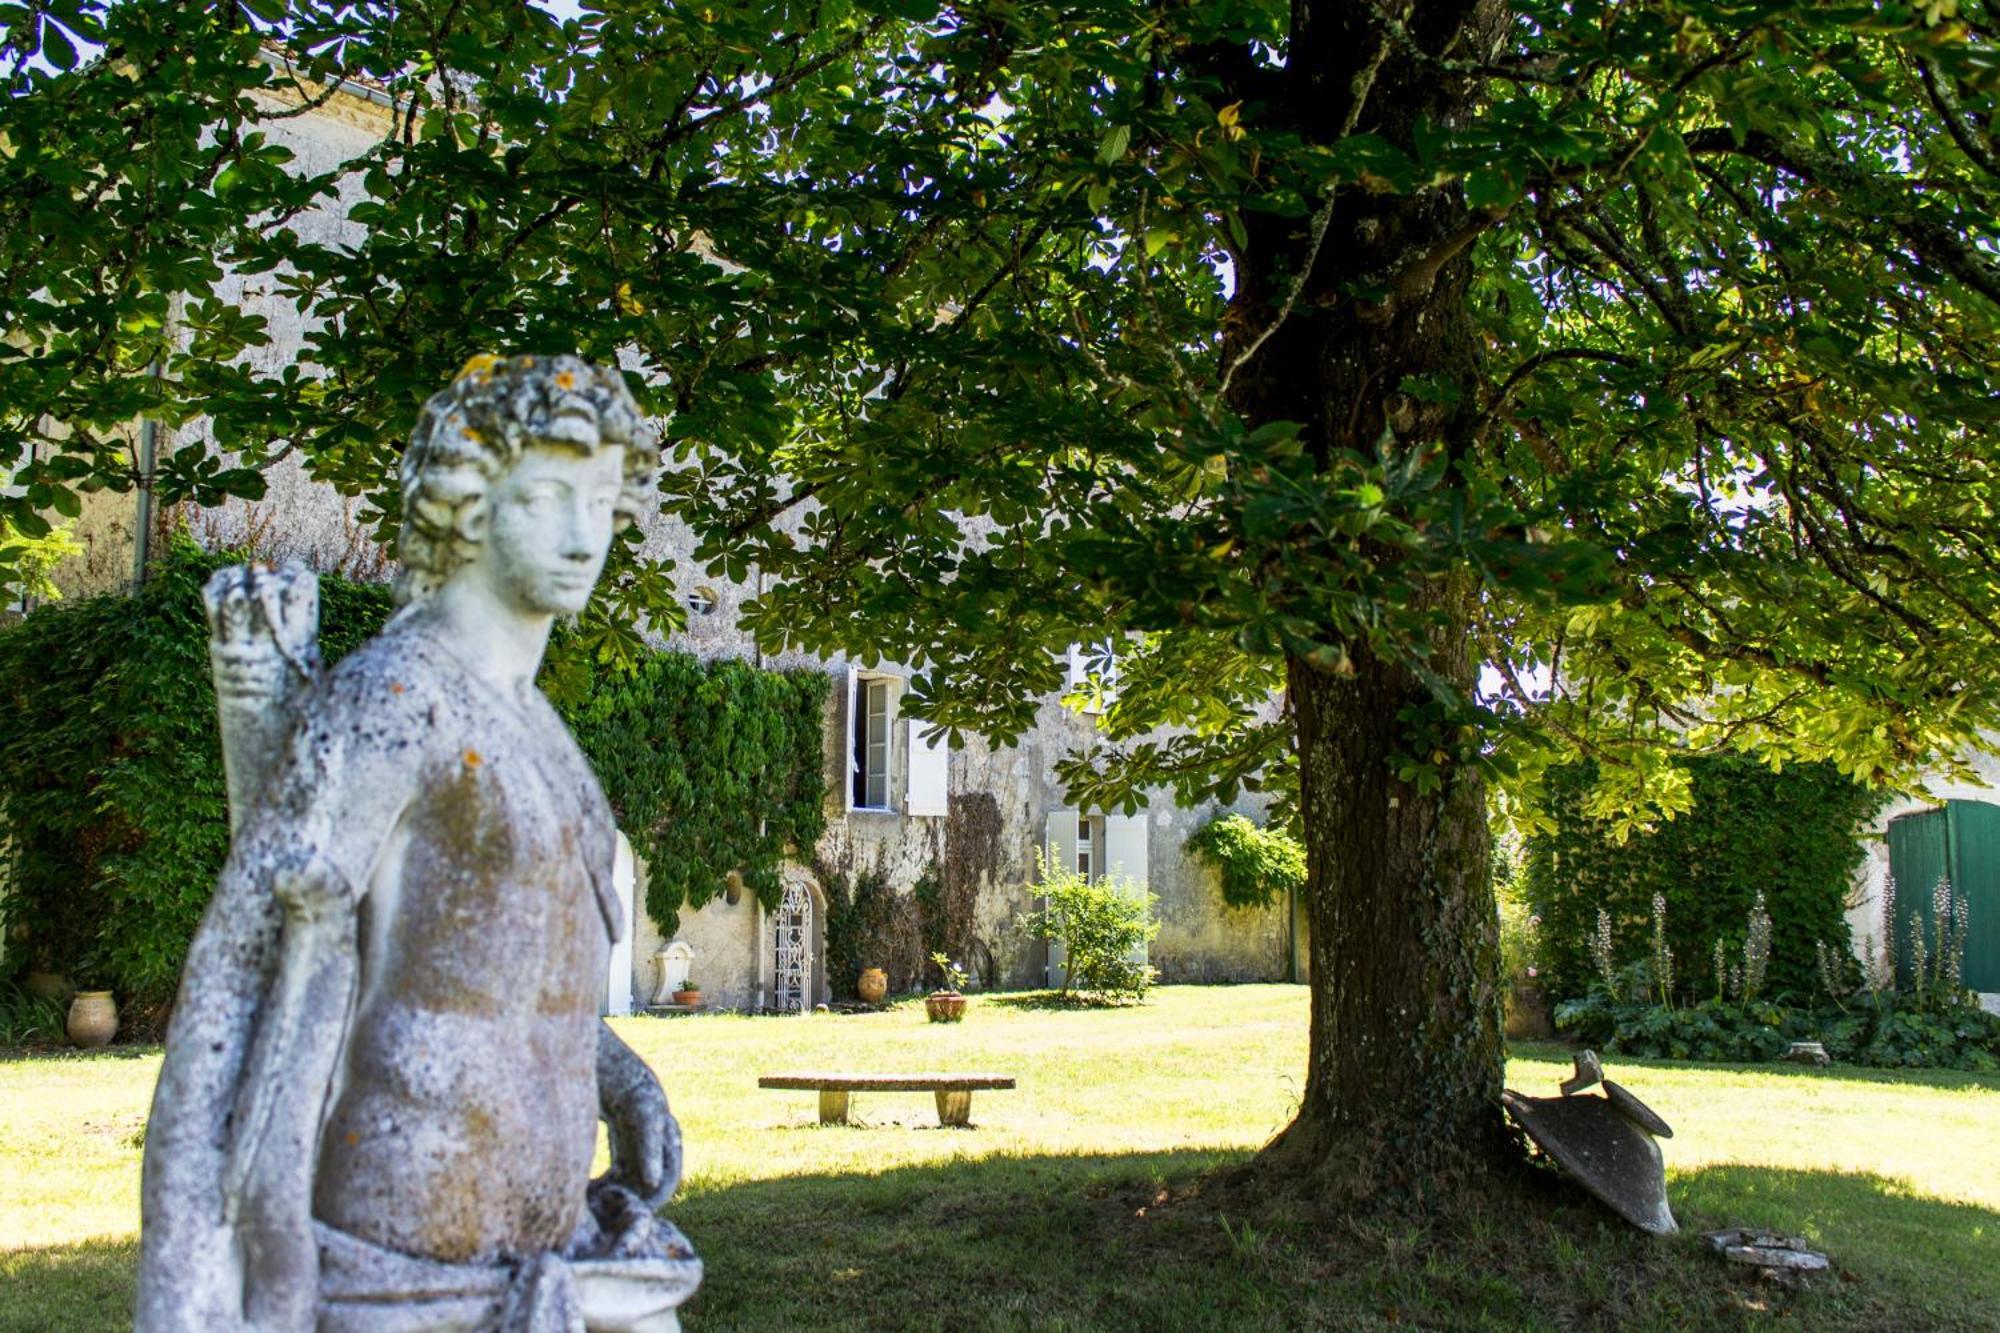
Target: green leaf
(1114,143)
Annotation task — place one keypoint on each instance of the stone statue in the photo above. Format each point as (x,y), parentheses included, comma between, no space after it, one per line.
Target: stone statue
(385,1069)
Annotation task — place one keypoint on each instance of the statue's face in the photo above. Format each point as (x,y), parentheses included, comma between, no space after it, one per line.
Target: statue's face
(549,522)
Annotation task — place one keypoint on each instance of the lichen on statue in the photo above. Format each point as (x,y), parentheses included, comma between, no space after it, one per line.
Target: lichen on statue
(383,1079)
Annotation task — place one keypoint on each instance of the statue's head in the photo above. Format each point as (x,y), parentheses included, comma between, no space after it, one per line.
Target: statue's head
(521,471)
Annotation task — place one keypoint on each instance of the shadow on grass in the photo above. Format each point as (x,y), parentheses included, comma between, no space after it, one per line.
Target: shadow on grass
(1052,999)
(1556,1052)
(1129,1243)
(1120,1243)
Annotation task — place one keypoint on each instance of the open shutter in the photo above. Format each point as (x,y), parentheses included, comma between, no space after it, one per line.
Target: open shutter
(929,772)
(1059,844)
(1125,856)
(851,768)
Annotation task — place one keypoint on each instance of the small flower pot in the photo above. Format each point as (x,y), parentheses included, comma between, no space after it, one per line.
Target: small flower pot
(688,997)
(944,1006)
(873,985)
(93,1019)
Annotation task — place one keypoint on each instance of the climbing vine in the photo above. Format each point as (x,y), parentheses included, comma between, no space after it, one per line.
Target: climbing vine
(1258,865)
(111,784)
(1790,835)
(711,767)
(111,774)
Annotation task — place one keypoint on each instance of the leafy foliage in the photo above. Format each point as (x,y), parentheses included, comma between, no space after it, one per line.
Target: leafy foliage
(1748,829)
(1885,1031)
(711,767)
(1646,351)
(27,1017)
(868,924)
(1100,924)
(1259,866)
(111,771)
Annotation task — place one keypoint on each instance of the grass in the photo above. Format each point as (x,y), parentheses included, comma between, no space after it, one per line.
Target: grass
(1075,1202)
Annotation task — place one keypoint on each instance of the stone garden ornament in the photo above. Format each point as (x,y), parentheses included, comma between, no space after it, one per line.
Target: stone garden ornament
(385,1070)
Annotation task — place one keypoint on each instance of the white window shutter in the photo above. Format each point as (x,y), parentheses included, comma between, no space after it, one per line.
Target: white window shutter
(929,770)
(848,770)
(1078,672)
(1059,845)
(1125,856)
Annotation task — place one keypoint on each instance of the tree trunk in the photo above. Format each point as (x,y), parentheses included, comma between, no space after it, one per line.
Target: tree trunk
(1405,1057)
(1403,1081)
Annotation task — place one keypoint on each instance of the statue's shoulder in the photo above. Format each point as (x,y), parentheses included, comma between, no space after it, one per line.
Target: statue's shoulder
(398,682)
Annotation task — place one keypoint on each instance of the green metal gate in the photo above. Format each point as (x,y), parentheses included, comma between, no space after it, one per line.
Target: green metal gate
(1962,840)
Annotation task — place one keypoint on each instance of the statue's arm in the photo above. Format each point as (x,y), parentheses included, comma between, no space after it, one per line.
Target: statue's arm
(645,1138)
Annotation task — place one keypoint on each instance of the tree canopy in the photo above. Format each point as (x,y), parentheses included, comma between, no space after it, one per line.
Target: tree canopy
(1503,382)
(1735,301)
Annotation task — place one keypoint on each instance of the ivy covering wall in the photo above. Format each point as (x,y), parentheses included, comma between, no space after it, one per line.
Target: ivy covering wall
(1790,834)
(111,782)
(712,767)
(1257,866)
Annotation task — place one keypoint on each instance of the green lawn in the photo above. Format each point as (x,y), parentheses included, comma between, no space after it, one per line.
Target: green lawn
(1074,1202)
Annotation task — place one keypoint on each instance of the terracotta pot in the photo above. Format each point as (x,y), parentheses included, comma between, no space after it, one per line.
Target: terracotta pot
(944,1006)
(93,1019)
(687,997)
(872,986)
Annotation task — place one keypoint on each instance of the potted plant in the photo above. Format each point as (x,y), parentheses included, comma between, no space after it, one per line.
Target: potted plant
(948,1004)
(689,993)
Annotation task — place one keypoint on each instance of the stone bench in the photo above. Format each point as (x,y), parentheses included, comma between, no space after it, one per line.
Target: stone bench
(954,1091)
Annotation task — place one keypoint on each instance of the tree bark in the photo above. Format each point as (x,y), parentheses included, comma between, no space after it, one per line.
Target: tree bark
(1406,1055)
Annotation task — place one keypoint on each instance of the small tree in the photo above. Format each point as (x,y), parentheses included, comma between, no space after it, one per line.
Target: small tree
(1101,925)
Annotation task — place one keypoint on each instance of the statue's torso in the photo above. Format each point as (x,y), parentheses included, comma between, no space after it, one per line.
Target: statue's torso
(465,1117)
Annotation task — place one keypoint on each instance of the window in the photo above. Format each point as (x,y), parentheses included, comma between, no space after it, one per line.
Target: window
(870,743)
(702,602)
(1086,848)
(1092,678)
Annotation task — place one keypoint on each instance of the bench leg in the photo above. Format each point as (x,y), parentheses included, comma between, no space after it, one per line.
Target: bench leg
(832,1108)
(954,1108)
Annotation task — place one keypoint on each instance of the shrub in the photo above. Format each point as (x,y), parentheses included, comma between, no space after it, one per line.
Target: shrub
(1258,866)
(1520,943)
(1883,1031)
(1789,835)
(1100,925)
(26,1017)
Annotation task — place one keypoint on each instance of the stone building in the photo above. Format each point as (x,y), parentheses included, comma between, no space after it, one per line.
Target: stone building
(899,809)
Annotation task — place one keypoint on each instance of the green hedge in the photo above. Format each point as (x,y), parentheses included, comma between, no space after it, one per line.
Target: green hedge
(111,778)
(1791,834)
(111,773)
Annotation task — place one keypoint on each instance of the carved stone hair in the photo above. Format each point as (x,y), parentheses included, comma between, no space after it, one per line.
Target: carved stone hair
(472,431)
